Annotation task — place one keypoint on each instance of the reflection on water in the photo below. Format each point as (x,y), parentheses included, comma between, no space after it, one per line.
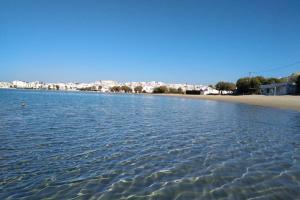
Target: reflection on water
(100,146)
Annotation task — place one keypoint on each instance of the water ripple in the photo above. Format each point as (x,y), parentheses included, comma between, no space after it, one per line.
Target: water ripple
(101,146)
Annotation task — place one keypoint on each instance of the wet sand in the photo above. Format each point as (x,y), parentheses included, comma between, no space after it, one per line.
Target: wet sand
(283,102)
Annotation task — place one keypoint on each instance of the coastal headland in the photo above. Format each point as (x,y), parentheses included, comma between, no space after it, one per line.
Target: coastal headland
(282,102)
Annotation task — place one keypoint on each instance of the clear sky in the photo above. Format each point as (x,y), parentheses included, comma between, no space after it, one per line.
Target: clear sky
(164,40)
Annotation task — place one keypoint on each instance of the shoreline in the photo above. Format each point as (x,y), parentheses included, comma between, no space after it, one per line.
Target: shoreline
(281,102)
(287,102)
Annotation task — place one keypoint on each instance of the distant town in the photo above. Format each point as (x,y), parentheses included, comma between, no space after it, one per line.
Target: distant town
(246,85)
(113,86)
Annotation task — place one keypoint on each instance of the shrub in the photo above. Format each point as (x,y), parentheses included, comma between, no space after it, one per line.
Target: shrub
(126,89)
(160,89)
(138,89)
(225,86)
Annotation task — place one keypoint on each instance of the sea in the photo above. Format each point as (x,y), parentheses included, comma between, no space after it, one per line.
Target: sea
(88,145)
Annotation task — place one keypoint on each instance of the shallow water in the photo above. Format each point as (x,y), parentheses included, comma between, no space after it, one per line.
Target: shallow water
(64,145)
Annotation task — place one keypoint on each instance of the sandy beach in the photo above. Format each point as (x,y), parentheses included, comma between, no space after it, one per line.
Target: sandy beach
(282,102)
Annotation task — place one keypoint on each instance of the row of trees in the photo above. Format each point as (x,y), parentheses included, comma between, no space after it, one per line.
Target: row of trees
(166,90)
(225,86)
(137,89)
(251,85)
(126,89)
(123,88)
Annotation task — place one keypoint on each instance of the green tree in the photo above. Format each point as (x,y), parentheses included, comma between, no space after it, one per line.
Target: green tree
(230,87)
(85,89)
(94,88)
(115,89)
(243,85)
(180,91)
(173,90)
(138,89)
(261,79)
(255,83)
(160,89)
(220,86)
(126,89)
(251,85)
(284,80)
(272,80)
(225,86)
(293,77)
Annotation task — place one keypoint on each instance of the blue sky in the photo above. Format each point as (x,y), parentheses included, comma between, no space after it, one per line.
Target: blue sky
(172,41)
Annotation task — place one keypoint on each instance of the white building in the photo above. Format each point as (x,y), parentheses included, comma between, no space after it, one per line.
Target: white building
(206,90)
(5,85)
(35,85)
(19,84)
(106,85)
(278,89)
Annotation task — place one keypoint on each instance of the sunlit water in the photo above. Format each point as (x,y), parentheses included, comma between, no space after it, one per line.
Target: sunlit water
(64,145)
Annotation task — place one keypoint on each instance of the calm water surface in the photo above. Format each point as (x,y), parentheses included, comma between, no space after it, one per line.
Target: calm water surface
(65,145)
